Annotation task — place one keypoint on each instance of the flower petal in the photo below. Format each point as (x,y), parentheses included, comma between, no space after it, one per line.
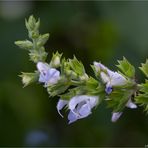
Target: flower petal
(99,66)
(77,99)
(42,67)
(84,111)
(131,105)
(108,88)
(60,105)
(54,76)
(72,117)
(115,116)
(105,78)
(117,79)
(93,101)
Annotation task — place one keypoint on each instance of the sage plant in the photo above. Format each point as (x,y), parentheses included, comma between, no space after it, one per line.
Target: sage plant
(78,92)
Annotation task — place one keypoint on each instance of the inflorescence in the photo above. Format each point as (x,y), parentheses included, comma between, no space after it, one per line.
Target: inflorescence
(77,91)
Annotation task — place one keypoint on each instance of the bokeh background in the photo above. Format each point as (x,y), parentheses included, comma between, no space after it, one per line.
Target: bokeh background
(92,30)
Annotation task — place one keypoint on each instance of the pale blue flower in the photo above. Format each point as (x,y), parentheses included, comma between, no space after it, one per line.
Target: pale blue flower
(110,78)
(48,75)
(79,106)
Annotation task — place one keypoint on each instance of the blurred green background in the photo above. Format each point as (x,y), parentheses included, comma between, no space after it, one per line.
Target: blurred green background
(97,30)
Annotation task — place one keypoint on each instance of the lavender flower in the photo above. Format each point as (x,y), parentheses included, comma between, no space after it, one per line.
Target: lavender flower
(48,75)
(110,78)
(79,106)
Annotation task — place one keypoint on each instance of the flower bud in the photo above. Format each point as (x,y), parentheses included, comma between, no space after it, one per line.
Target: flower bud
(56,60)
(42,39)
(28,78)
(84,77)
(24,44)
(72,74)
(33,27)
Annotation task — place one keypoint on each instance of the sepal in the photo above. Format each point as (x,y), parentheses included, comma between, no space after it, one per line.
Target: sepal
(77,66)
(28,78)
(142,98)
(37,56)
(33,27)
(56,60)
(144,68)
(126,68)
(42,39)
(28,45)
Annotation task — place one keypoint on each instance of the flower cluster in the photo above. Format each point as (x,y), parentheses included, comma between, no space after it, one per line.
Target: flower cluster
(80,106)
(76,90)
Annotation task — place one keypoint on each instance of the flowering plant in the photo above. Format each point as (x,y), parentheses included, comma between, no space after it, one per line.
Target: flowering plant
(77,91)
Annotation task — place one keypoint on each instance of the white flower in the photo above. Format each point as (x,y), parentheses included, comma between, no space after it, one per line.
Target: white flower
(79,106)
(110,78)
(47,75)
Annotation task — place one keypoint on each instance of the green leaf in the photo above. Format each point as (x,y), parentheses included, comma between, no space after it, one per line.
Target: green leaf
(126,68)
(144,68)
